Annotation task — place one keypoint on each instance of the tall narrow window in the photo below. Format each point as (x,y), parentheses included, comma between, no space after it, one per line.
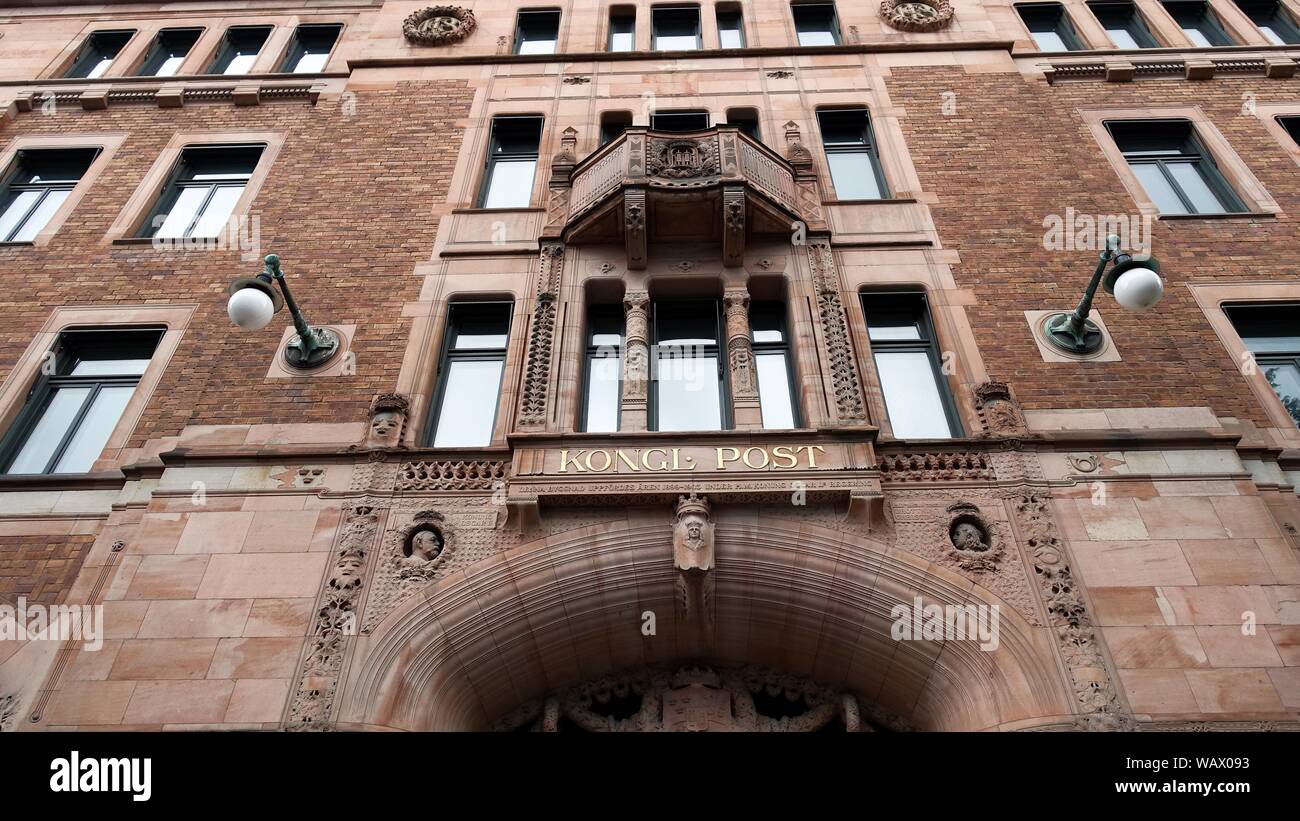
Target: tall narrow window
(71,412)
(613,124)
(168,52)
(679,121)
(39,183)
(310,48)
(1175,170)
(537,32)
(1272,334)
(203,191)
(772,361)
(239,49)
(816,24)
(512,162)
(1201,25)
(1273,21)
(622,28)
(688,382)
(731,26)
(1124,25)
(907,362)
(1050,27)
(746,119)
(98,53)
(469,381)
(676,28)
(603,388)
(1292,126)
(851,154)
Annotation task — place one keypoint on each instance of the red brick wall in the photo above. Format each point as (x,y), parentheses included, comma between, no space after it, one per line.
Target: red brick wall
(350,206)
(40,568)
(1017,151)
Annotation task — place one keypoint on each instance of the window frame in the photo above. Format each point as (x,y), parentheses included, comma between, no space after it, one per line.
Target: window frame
(784,347)
(12,169)
(1262,360)
(174,184)
(155,50)
(739,118)
(226,50)
(655,11)
(836,30)
(929,344)
(1290,125)
(1214,28)
(490,162)
(1064,25)
(82,57)
(295,51)
(611,119)
(730,9)
(535,14)
(588,355)
(1195,152)
(1136,24)
(683,112)
(448,356)
(625,13)
(717,350)
(1281,18)
(870,147)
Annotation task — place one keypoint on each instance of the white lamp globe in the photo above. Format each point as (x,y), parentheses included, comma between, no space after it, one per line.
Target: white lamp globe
(250,308)
(1138,289)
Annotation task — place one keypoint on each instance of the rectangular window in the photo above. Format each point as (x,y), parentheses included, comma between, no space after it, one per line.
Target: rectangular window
(772,361)
(1175,170)
(310,48)
(816,24)
(168,52)
(1050,27)
(907,362)
(603,389)
(676,28)
(1273,21)
(731,27)
(469,387)
(98,53)
(1292,126)
(746,119)
(1201,25)
(851,154)
(1272,334)
(201,194)
(512,162)
(613,124)
(537,32)
(679,121)
(239,49)
(688,384)
(71,412)
(1124,25)
(622,28)
(39,183)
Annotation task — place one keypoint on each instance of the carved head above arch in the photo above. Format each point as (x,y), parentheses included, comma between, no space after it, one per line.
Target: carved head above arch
(975,544)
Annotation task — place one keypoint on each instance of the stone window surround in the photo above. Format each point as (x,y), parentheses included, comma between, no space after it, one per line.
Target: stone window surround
(1269,112)
(477,142)
(142,201)
(1161,24)
(107,142)
(1235,172)
(13,392)
(900,177)
(1211,297)
(133,54)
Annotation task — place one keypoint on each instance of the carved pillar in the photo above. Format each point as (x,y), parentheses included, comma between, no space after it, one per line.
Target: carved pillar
(533,399)
(733,231)
(560,185)
(849,406)
(636,361)
(805,179)
(745,409)
(634,228)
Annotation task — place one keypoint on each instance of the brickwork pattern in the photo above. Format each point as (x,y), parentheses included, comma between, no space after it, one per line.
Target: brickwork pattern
(40,568)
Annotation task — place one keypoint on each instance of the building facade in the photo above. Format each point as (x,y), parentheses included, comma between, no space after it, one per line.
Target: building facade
(689,366)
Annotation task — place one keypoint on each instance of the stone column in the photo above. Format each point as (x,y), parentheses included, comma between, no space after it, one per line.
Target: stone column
(636,361)
(848,403)
(535,396)
(745,409)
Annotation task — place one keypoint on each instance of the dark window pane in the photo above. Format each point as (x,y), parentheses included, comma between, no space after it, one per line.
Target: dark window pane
(680,121)
(815,24)
(538,32)
(604,350)
(731,29)
(1274,22)
(239,49)
(38,185)
(512,162)
(98,52)
(470,383)
(686,323)
(676,29)
(612,124)
(746,119)
(1049,26)
(169,50)
(311,48)
(1199,23)
(855,170)
(204,191)
(622,30)
(1124,25)
(1292,126)
(907,362)
(1175,171)
(1268,328)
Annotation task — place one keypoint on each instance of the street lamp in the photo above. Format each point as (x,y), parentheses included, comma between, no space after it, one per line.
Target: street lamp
(253,301)
(1135,284)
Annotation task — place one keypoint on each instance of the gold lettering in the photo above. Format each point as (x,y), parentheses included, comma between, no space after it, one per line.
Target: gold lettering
(565,460)
(760,465)
(812,457)
(629,462)
(783,452)
(609,460)
(735,455)
(645,459)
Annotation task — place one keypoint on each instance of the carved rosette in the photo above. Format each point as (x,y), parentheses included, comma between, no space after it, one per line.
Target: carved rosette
(917,15)
(849,403)
(999,412)
(740,349)
(439,25)
(541,339)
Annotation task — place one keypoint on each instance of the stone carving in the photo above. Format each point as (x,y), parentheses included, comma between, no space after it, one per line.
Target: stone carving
(934,467)
(479,474)
(975,545)
(439,25)
(839,350)
(576,81)
(682,159)
(685,266)
(636,362)
(8,712)
(537,370)
(999,412)
(740,351)
(423,546)
(634,228)
(780,74)
(917,15)
(388,415)
(1084,462)
(693,557)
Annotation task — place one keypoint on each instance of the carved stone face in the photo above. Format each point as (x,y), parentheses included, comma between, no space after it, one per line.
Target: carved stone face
(426,545)
(385,428)
(967,536)
(694,533)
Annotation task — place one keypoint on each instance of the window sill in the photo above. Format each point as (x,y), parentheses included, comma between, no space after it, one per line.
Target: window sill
(522,209)
(17,244)
(885,201)
(133,241)
(101,480)
(1231,215)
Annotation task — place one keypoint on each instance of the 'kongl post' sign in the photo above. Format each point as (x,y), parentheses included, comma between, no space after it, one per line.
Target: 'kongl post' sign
(688,459)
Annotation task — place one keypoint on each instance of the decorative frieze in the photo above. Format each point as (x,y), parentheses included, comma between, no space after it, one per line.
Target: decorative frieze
(849,405)
(439,25)
(467,474)
(533,398)
(935,467)
(999,412)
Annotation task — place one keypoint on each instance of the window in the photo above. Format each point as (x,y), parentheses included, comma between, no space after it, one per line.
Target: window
(1292,126)
(676,28)
(469,385)
(772,361)
(622,28)
(746,119)
(310,49)
(1050,27)
(1272,334)
(815,24)
(98,52)
(537,32)
(168,52)
(731,26)
(1275,23)
(612,124)
(907,362)
(202,192)
(1175,170)
(512,162)
(688,384)
(1200,24)
(603,388)
(679,121)
(851,154)
(1124,25)
(70,413)
(39,183)
(239,49)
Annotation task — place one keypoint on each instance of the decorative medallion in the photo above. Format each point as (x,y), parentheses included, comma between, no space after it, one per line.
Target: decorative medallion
(682,159)
(439,25)
(917,15)
(974,544)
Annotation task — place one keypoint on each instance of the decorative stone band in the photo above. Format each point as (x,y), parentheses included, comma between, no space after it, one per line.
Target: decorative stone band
(1120,71)
(480,474)
(537,370)
(849,403)
(99,98)
(935,467)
